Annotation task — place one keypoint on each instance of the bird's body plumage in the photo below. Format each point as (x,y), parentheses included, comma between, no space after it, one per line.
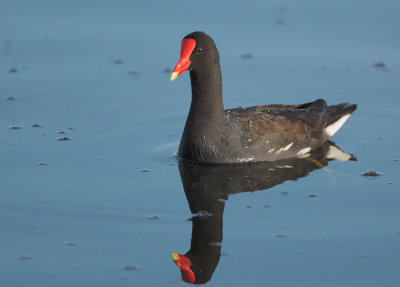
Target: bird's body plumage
(260,133)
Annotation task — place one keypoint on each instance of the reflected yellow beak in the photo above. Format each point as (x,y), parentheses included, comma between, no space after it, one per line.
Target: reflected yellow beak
(175,256)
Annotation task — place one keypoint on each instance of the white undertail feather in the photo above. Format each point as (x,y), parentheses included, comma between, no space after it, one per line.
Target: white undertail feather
(334,127)
(337,154)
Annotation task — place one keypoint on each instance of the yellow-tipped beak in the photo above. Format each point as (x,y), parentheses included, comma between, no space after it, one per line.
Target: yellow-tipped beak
(184,62)
(174,75)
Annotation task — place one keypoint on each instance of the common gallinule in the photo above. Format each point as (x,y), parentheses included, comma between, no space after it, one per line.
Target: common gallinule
(260,133)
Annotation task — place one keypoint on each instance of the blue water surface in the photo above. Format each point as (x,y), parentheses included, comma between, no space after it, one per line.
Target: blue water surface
(91,193)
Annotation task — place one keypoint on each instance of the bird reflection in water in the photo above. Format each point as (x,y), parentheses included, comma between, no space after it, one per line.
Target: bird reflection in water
(207,187)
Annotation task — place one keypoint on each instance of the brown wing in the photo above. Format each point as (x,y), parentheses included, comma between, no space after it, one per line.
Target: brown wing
(281,125)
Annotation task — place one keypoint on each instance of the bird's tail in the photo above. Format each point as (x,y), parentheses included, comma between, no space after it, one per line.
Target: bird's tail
(337,116)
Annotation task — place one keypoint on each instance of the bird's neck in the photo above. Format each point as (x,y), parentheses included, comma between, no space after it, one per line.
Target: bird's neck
(207,93)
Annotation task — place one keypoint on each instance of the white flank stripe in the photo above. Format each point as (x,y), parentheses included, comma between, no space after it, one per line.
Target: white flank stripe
(288,146)
(284,148)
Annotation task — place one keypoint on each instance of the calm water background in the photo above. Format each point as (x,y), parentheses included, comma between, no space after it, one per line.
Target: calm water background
(78,212)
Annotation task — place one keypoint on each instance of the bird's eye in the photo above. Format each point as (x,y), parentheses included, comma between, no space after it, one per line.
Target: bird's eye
(200,50)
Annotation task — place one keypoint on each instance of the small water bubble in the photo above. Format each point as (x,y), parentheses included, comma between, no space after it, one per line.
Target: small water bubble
(246,56)
(64,139)
(370,173)
(118,61)
(130,267)
(133,72)
(380,65)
